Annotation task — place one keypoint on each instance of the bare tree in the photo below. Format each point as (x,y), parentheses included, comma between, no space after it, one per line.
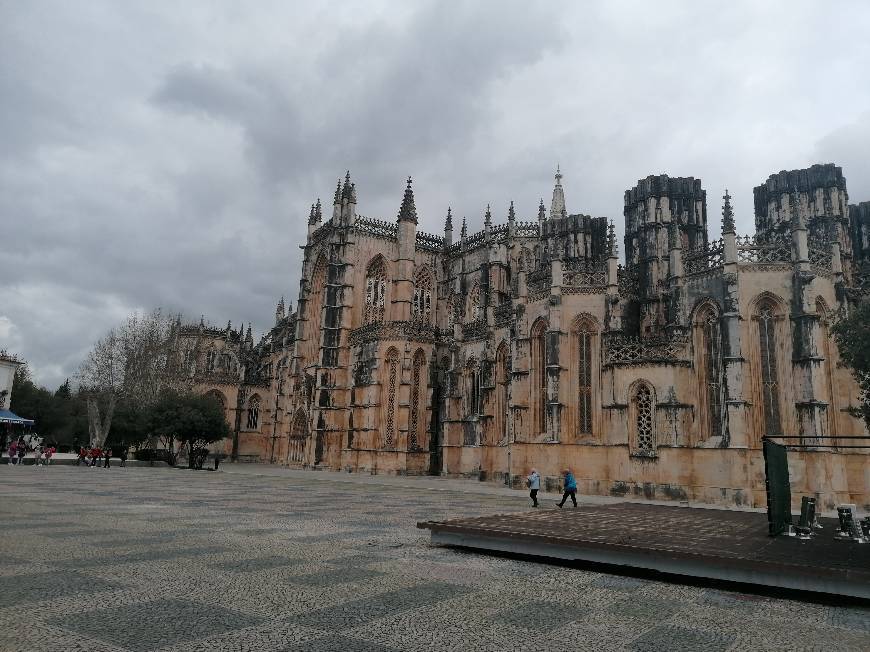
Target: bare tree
(135,362)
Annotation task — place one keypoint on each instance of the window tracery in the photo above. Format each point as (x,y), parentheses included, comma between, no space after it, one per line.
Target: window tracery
(416,379)
(253,413)
(392,360)
(708,343)
(644,420)
(584,379)
(376,291)
(767,344)
(422,306)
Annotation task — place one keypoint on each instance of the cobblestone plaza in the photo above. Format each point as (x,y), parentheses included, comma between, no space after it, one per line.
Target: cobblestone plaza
(143,559)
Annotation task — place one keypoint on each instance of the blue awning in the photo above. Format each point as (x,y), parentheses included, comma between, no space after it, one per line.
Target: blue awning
(7,416)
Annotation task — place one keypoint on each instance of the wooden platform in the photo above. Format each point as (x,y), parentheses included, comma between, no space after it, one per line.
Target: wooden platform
(699,543)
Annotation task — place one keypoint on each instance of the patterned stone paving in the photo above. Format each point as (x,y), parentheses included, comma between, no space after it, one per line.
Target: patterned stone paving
(143,559)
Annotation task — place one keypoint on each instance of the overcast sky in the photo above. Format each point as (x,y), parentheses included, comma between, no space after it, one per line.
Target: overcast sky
(166,153)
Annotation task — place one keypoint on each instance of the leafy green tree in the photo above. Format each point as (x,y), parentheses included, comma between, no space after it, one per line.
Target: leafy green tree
(852,334)
(194,420)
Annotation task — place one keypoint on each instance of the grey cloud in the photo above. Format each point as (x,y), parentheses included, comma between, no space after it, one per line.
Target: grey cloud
(166,155)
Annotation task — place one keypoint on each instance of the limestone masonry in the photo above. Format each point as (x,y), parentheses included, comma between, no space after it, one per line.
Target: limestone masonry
(528,344)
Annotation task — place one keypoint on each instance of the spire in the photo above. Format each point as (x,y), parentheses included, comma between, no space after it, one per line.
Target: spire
(612,247)
(408,211)
(448,223)
(249,338)
(279,311)
(336,204)
(512,216)
(353,193)
(542,212)
(312,219)
(229,325)
(346,188)
(464,230)
(557,206)
(318,211)
(487,217)
(727,214)
(337,199)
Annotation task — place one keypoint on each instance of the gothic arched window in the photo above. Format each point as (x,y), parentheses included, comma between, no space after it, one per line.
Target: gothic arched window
(210,359)
(392,384)
(825,350)
(253,412)
(376,290)
(766,317)
(502,374)
(708,363)
(418,381)
(298,435)
(421,309)
(538,376)
(313,310)
(643,419)
(475,309)
(585,336)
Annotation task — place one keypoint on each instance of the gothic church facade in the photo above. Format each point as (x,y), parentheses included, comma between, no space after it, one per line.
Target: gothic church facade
(528,344)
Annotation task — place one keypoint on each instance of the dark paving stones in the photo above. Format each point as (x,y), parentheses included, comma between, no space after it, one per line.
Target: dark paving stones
(364,610)
(338,644)
(539,615)
(146,626)
(680,639)
(258,564)
(643,607)
(38,587)
(337,576)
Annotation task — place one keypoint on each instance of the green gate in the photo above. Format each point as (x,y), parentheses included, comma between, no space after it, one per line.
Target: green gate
(777,486)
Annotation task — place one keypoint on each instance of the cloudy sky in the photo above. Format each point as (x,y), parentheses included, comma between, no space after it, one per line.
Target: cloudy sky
(166,153)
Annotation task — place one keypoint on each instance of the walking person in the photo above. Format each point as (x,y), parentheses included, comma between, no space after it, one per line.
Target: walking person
(49,453)
(22,450)
(124,456)
(108,453)
(570,489)
(533,482)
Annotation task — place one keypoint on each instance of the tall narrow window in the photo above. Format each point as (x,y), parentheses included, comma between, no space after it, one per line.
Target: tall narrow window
(584,379)
(422,306)
(472,402)
(392,385)
(376,290)
(501,394)
(313,309)
(825,350)
(766,320)
(538,376)
(708,359)
(644,420)
(417,378)
(475,309)
(253,413)
(210,359)
(298,435)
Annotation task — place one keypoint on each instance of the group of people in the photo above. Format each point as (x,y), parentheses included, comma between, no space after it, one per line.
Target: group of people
(18,448)
(93,456)
(569,488)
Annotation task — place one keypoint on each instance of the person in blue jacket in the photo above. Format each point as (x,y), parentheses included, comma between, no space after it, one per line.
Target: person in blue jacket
(570,489)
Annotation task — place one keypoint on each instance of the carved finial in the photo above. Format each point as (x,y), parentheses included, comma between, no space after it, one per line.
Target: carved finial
(612,247)
(318,212)
(558,175)
(353,193)
(487,217)
(408,211)
(337,199)
(542,211)
(312,219)
(512,216)
(464,230)
(727,214)
(557,205)
(229,326)
(448,223)
(346,188)
(202,321)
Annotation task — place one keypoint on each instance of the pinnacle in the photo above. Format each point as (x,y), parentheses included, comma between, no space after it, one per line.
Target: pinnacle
(408,211)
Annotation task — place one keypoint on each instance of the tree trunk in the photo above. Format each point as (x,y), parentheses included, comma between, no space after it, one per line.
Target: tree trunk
(97,428)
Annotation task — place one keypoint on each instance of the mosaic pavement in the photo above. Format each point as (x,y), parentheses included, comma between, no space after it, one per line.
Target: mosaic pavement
(143,559)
